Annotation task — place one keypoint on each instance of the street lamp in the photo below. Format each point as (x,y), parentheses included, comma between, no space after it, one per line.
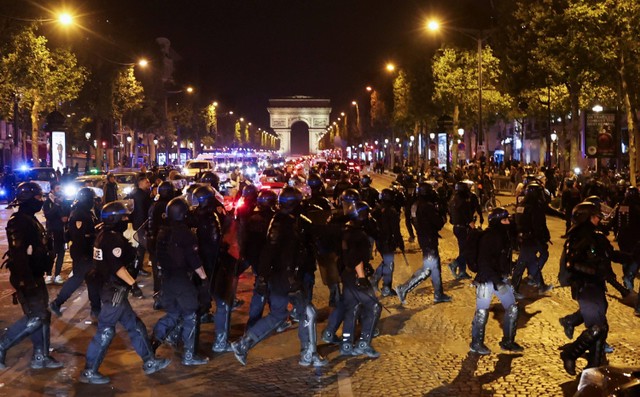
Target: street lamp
(390,67)
(479,35)
(88,136)
(554,139)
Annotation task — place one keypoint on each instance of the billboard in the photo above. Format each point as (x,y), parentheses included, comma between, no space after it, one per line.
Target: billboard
(600,131)
(58,150)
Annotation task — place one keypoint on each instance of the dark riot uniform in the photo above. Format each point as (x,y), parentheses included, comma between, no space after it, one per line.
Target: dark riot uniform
(625,223)
(428,223)
(494,267)
(462,208)
(569,199)
(588,260)
(28,260)
(358,295)
(82,233)
(388,239)
(534,237)
(287,247)
(156,221)
(177,251)
(112,252)
(54,213)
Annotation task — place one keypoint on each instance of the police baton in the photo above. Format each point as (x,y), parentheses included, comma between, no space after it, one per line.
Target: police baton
(405,258)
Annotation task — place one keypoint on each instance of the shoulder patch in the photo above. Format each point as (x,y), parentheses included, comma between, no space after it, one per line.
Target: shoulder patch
(97,254)
(117,252)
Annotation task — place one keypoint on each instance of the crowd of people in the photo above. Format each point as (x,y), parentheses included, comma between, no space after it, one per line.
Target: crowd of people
(198,245)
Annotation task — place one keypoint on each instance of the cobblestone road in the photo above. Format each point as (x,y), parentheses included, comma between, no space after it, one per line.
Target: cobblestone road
(424,346)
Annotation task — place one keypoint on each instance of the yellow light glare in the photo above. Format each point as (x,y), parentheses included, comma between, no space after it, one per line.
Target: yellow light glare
(65,18)
(433,25)
(190,90)
(391,67)
(143,63)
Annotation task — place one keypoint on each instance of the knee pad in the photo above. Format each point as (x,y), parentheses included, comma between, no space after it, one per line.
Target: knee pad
(311,313)
(33,323)
(107,335)
(190,319)
(513,310)
(597,331)
(377,309)
(356,309)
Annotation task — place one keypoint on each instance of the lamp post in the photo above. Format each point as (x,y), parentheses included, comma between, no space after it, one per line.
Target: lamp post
(479,35)
(554,140)
(88,136)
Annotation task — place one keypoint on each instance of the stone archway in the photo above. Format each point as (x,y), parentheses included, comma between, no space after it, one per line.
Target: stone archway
(286,112)
(300,138)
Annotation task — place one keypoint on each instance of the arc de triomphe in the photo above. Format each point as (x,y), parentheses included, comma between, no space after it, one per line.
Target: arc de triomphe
(293,118)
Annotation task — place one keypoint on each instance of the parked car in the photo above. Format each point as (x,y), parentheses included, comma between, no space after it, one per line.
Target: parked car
(126,182)
(272,178)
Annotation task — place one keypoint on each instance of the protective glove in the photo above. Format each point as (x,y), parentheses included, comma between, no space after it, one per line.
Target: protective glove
(136,292)
(363,284)
(261,286)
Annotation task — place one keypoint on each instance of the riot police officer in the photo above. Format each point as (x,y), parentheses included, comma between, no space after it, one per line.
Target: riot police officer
(209,219)
(28,260)
(178,258)
(358,294)
(316,185)
(588,262)
(56,215)
(533,236)
(387,241)
(570,198)
(625,224)
(114,258)
(369,194)
(280,271)
(428,223)
(494,266)
(211,179)
(256,235)
(157,219)
(342,185)
(82,234)
(462,207)
(408,182)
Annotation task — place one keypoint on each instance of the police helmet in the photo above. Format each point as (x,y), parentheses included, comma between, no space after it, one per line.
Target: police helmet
(361,211)
(289,198)
(267,199)
(166,190)
(425,189)
(115,212)
(570,182)
(27,191)
(350,195)
(177,209)
(583,212)
(595,200)
(314,181)
(622,185)
(534,191)
(462,187)
(85,197)
(205,196)
(365,181)
(210,178)
(632,193)
(387,196)
(497,215)
(250,192)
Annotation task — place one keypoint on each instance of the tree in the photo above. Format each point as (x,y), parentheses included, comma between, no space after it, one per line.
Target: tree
(127,94)
(40,76)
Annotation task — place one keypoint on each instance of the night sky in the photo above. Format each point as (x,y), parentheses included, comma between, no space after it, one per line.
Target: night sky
(243,52)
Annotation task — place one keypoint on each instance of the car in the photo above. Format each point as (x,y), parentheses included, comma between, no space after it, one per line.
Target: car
(194,167)
(272,178)
(331,178)
(70,189)
(126,182)
(43,176)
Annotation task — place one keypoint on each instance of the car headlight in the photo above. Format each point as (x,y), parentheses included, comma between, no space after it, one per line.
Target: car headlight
(70,192)
(3,192)
(127,189)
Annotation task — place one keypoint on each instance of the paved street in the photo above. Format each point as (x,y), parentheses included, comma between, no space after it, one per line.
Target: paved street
(424,346)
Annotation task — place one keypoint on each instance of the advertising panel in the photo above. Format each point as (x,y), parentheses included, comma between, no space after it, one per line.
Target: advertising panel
(58,150)
(600,134)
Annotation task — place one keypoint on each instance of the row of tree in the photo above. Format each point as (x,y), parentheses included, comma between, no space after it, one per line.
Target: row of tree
(540,57)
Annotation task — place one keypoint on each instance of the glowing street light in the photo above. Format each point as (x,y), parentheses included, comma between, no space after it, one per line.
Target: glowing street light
(433,25)
(143,63)
(65,19)
(390,67)
(190,90)
(369,89)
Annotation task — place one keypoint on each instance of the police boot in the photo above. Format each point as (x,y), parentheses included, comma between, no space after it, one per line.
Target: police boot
(334,295)
(375,278)
(157,300)
(10,339)
(516,279)
(330,337)
(173,336)
(509,328)
(576,349)
(568,323)
(477,332)
(403,289)
(41,358)
(438,294)
(189,356)
(241,347)
(453,266)
(154,364)
(221,344)
(597,354)
(363,347)
(90,373)
(309,353)
(387,291)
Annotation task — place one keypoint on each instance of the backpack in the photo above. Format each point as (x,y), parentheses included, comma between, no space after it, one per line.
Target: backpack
(472,248)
